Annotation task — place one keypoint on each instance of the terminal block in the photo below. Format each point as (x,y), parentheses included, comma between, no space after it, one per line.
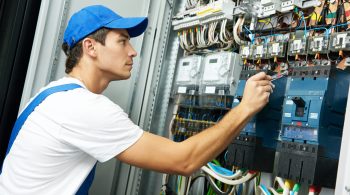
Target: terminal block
(269,7)
(246,52)
(297,46)
(340,41)
(215,11)
(276,49)
(288,5)
(318,44)
(259,51)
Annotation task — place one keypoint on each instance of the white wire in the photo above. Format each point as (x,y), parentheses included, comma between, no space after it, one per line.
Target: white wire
(274,192)
(227,181)
(234,176)
(235,31)
(215,186)
(281,184)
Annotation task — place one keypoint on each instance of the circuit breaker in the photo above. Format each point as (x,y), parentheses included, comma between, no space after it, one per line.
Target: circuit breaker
(312,123)
(258,139)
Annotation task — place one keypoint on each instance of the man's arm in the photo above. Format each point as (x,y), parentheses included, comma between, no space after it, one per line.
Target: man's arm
(161,154)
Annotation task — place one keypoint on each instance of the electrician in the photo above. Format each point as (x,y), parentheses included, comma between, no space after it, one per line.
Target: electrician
(60,142)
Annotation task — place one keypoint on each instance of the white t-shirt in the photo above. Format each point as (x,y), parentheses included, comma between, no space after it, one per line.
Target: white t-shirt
(61,140)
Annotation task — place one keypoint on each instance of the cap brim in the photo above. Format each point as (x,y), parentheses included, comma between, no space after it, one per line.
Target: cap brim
(134,26)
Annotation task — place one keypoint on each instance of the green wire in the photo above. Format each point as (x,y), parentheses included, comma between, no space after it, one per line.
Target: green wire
(216,162)
(296,187)
(279,190)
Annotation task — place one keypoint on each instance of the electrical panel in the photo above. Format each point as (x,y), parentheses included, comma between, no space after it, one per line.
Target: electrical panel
(297,135)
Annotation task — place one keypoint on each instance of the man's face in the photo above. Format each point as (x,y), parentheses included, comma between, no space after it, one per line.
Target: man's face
(115,58)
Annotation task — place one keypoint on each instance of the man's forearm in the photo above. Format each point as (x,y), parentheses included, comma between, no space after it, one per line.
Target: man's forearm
(212,141)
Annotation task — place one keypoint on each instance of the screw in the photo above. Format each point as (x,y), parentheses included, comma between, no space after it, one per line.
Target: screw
(347,188)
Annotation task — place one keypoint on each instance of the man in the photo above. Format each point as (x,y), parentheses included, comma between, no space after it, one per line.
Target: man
(61,140)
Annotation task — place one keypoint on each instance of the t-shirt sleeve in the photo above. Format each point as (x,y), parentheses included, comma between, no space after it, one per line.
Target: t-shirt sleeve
(98,127)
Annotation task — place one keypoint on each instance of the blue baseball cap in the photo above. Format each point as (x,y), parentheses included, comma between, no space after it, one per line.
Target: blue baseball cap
(92,18)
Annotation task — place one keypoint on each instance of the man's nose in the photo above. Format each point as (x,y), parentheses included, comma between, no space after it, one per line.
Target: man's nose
(132,52)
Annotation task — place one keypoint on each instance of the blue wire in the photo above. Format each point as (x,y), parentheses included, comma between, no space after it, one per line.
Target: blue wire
(219,118)
(265,189)
(240,189)
(250,33)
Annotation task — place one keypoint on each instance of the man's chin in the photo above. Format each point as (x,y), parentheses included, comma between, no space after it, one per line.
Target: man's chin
(122,77)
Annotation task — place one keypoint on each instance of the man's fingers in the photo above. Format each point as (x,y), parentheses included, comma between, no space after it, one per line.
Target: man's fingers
(264,83)
(268,88)
(261,76)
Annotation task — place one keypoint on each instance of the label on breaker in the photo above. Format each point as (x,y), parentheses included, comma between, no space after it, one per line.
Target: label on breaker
(210,89)
(275,48)
(297,45)
(313,115)
(318,42)
(287,114)
(245,51)
(259,50)
(182,89)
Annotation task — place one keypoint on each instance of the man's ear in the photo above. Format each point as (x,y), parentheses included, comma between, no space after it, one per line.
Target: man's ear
(88,46)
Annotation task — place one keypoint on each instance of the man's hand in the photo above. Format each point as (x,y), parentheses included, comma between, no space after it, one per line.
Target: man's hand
(257,92)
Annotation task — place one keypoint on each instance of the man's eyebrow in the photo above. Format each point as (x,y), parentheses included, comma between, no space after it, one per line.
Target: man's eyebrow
(125,35)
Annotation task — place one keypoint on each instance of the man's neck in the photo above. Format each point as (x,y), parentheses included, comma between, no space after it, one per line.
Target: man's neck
(91,78)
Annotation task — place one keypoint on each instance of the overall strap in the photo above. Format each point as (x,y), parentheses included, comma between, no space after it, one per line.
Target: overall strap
(30,108)
(84,188)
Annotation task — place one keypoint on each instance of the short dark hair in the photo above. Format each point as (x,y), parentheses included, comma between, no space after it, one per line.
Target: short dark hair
(74,54)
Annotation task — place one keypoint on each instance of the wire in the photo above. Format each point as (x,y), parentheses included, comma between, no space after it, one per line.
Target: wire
(192,181)
(264,190)
(274,192)
(216,188)
(227,181)
(235,31)
(281,184)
